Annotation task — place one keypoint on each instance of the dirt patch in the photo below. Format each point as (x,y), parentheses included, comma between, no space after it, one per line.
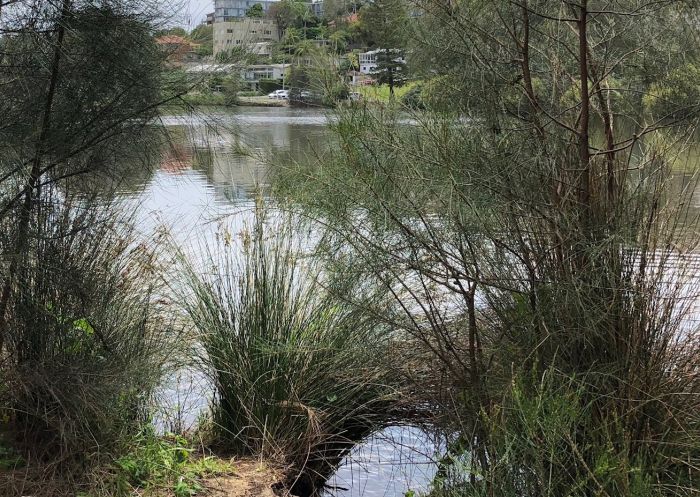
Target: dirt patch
(249,479)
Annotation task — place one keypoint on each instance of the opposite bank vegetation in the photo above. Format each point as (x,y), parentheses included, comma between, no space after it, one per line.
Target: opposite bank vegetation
(521,280)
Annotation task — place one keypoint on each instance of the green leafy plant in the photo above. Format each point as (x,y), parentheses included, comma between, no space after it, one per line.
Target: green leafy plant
(9,458)
(158,463)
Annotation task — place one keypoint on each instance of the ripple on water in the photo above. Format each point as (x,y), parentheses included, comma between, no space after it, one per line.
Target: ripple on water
(387,464)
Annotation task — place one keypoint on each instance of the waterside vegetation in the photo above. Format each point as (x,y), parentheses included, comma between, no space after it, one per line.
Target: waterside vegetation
(495,255)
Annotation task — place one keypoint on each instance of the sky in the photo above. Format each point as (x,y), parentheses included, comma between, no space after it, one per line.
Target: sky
(194,12)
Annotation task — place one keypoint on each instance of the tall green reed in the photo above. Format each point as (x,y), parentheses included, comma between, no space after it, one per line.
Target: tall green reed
(87,336)
(300,373)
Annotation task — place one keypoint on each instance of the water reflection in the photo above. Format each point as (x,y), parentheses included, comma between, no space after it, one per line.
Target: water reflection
(391,463)
(232,151)
(213,166)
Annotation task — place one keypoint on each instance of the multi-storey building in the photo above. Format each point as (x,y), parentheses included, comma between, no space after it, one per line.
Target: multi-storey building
(316,7)
(368,60)
(250,34)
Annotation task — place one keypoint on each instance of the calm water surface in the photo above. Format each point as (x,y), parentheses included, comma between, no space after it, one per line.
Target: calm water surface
(209,176)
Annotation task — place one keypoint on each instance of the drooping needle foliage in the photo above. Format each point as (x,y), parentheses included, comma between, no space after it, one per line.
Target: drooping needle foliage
(536,234)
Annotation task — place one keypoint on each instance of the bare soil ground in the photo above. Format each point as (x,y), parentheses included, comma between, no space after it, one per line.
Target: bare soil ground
(250,479)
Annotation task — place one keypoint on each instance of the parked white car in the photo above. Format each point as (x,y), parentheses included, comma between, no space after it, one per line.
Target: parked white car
(279,94)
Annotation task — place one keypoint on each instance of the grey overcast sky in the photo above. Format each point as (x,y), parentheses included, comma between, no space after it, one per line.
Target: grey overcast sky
(194,12)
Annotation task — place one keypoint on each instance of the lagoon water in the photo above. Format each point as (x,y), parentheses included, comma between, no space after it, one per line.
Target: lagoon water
(206,180)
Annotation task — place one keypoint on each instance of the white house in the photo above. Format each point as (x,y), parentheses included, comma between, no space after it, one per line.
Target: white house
(254,73)
(251,74)
(368,60)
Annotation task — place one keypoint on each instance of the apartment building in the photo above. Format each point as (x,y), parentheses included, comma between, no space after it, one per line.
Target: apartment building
(252,34)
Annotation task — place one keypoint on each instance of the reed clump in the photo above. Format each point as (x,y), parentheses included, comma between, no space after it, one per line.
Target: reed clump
(300,374)
(86,338)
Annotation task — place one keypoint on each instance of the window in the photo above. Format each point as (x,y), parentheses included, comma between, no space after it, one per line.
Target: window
(229,31)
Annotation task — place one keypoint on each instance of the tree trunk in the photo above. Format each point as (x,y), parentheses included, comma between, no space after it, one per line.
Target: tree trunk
(31,189)
(583,134)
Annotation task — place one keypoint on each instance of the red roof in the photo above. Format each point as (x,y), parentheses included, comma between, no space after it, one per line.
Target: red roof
(172,40)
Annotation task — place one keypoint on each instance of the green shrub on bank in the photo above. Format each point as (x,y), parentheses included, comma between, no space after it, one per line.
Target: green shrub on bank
(299,373)
(86,340)
(536,446)
(677,95)
(154,465)
(204,98)
(561,355)
(413,99)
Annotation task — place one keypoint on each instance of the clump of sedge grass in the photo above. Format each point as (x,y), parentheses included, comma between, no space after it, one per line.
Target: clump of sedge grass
(86,341)
(299,373)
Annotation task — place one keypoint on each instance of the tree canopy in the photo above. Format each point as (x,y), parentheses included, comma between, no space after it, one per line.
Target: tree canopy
(255,10)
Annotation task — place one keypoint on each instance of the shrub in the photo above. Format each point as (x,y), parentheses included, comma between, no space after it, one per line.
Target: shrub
(299,373)
(156,465)
(443,93)
(230,91)
(412,99)
(334,93)
(573,375)
(677,95)
(86,340)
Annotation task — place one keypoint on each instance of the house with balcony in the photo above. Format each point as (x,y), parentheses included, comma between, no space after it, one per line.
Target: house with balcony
(228,10)
(368,60)
(252,74)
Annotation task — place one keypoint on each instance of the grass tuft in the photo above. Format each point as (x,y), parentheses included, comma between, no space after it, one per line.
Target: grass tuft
(299,373)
